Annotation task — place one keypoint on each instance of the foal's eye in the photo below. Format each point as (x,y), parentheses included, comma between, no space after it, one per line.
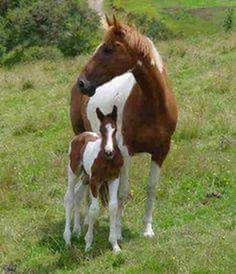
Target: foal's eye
(107,50)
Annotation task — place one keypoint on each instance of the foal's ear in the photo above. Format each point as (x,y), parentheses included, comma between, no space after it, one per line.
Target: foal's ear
(100,115)
(114,113)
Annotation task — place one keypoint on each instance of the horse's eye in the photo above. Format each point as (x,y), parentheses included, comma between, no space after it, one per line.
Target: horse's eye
(107,50)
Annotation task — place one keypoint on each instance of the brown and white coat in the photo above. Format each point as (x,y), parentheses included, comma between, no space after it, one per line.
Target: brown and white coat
(126,70)
(96,162)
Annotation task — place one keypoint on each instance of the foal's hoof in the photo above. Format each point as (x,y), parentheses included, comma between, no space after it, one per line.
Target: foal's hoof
(116,249)
(88,248)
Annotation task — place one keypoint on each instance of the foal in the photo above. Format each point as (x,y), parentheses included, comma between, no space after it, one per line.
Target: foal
(95,162)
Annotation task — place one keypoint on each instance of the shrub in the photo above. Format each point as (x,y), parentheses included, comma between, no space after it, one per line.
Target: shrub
(64,24)
(152,27)
(228,20)
(21,54)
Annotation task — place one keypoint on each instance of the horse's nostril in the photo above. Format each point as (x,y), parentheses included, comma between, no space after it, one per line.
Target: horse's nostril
(81,83)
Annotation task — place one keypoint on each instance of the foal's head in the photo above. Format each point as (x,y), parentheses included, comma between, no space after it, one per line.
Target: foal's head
(119,52)
(108,132)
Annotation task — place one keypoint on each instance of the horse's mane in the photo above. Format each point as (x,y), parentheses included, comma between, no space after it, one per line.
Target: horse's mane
(136,42)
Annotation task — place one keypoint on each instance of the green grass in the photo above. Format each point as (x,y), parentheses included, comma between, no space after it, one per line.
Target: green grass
(183,18)
(194,234)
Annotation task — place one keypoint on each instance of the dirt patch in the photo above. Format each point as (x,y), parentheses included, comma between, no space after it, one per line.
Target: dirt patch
(204,13)
(97,6)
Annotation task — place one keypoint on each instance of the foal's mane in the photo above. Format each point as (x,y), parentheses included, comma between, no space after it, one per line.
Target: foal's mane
(139,44)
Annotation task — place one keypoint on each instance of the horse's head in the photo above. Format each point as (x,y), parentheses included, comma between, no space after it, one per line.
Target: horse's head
(112,58)
(108,131)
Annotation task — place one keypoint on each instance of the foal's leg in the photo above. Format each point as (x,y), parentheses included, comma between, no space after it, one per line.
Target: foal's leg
(113,207)
(151,194)
(80,192)
(86,208)
(68,203)
(93,214)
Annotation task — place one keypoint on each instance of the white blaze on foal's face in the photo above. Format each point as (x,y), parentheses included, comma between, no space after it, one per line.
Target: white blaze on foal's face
(109,146)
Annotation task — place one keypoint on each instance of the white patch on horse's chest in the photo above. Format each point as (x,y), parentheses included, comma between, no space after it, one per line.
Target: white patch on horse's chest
(114,92)
(90,154)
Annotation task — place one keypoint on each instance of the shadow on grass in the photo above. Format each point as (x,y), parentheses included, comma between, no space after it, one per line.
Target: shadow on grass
(72,257)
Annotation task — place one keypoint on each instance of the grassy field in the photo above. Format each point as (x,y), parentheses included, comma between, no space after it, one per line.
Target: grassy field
(183,17)
(194,233)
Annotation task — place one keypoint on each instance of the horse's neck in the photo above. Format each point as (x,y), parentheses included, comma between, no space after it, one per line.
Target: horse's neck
(152,82)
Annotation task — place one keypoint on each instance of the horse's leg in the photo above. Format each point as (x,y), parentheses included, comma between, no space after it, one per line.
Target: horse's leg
(124,179)
(68,203)
(154,176)
(118,220)
(93,214)
(151,194)
(80,192)
(113,207)
(123,193)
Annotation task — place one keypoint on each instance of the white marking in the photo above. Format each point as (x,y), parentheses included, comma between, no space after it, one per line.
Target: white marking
(90,154)
(109,145)
(139,63)
(157,61)
(114,92)
(151,193)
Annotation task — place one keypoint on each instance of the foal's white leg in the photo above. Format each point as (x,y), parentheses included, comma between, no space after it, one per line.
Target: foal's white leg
(113,207)
(93,214)
(151,194)
(68,203)
(86,209)
(80,191)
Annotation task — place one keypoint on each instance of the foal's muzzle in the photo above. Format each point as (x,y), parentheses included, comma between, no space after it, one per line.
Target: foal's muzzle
(85,86)
(109,154)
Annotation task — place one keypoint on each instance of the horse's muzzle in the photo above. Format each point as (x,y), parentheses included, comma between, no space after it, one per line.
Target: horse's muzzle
(85,86)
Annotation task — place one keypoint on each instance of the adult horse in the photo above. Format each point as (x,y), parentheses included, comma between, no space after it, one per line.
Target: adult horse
(127,71)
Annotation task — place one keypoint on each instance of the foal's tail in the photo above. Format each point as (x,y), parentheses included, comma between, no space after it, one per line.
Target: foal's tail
(104,194)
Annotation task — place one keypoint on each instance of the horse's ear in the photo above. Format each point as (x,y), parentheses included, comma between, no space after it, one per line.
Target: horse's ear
(114,113)
(118,27)
(100,115)
(108,20)
(116,23)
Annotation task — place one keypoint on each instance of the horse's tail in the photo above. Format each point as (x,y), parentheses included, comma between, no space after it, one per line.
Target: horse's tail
(104,193)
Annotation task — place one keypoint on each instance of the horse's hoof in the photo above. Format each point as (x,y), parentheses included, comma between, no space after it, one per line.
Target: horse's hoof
(67,237)
(77,231)
(120,238)
(149,233)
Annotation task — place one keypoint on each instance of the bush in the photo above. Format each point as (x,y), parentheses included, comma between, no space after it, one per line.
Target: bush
(228,20)
(64,24)
(21,54)
(151,26)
